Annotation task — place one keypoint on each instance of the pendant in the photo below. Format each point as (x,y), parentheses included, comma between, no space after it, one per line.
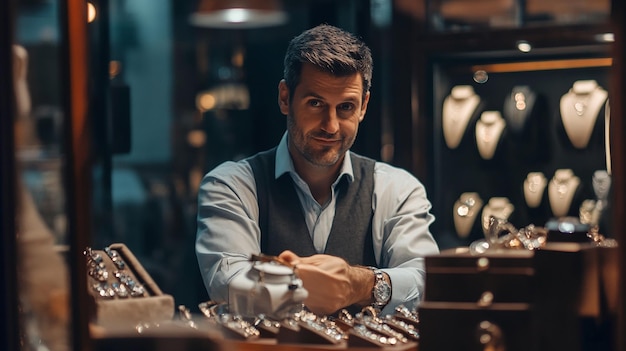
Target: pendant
(520,101)
(579,106)
(562,189)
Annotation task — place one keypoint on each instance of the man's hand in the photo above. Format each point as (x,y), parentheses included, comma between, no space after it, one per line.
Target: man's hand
(331,282)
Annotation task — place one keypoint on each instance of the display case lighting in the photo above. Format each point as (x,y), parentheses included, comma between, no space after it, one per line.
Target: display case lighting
(524,46)
(91,12)
(238,14)
(605,37)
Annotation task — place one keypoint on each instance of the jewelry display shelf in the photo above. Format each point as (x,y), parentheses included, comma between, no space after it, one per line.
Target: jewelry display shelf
(532,123)
(121,291)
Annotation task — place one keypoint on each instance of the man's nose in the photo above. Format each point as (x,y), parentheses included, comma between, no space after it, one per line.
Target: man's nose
(330,123)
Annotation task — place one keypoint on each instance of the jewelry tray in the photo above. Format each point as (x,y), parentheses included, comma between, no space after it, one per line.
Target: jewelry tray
(145,304)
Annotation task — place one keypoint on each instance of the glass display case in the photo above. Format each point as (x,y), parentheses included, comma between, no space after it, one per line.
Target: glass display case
(477,103)
(41,118)
(531,134)
(501,101)
(494,112)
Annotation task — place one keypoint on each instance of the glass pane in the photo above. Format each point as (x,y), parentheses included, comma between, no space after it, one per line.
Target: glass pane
(43,276)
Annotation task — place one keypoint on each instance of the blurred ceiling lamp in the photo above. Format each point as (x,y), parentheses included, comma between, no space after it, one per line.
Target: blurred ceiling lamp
(237,14)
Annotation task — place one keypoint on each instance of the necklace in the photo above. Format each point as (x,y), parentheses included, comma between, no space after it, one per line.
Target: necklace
(562,181)
(465,210)
(520,101)
(561,187)
(561,192)
(579,109)
(456,106)
(518,107)
(580,106)
(535,182)
(533,191)
(498,207)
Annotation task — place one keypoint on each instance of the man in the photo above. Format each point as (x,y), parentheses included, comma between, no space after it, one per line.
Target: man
(331,213)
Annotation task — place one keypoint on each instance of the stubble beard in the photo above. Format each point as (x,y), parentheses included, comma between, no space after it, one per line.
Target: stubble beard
(320,157)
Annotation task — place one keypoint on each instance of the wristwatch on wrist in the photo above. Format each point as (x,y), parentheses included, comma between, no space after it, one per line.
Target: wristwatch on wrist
(381,293)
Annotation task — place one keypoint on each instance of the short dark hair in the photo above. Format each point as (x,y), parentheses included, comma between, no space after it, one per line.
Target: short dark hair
(332,50)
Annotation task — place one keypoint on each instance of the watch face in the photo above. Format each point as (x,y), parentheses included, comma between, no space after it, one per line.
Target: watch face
(382,292)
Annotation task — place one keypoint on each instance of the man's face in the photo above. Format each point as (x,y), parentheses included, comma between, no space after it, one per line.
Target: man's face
(323,116)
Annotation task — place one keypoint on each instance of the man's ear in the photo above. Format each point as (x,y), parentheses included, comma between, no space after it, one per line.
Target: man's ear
(283,97)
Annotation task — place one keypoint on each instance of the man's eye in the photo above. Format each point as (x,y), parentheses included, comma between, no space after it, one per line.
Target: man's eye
(346,107)
(315,103)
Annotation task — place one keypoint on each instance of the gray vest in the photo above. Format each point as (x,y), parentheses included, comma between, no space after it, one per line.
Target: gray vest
(282,221)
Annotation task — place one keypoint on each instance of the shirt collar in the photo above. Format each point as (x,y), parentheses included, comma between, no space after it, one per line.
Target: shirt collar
(284,163)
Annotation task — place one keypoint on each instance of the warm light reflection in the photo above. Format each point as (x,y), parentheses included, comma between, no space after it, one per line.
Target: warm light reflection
(115,67)
(524,46)
(205,101)
(232,96)
(544,65)
(91,12)
(481,76)
(196,138)
(238,58)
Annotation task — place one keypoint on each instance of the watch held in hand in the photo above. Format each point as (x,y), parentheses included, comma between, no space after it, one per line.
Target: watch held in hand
(381,293)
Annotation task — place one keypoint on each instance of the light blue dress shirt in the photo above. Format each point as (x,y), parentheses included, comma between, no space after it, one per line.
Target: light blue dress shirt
(228,231)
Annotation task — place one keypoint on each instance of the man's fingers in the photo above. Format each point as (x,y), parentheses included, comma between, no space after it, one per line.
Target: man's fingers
(290,257)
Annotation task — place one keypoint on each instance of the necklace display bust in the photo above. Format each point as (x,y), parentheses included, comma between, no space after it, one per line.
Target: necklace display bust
(592,211)
(499,207)
(579,109)
(489,129)
(465,211)
(561,191)
(534,186)
(518,107)
(601,182)
(458,109)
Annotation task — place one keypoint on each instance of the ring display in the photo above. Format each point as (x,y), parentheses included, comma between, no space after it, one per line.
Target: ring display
(122,291)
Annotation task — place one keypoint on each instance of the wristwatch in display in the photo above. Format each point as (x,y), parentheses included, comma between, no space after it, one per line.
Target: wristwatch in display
(382,290)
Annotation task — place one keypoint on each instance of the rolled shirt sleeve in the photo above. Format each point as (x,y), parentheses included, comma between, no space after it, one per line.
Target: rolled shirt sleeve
(401,232)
